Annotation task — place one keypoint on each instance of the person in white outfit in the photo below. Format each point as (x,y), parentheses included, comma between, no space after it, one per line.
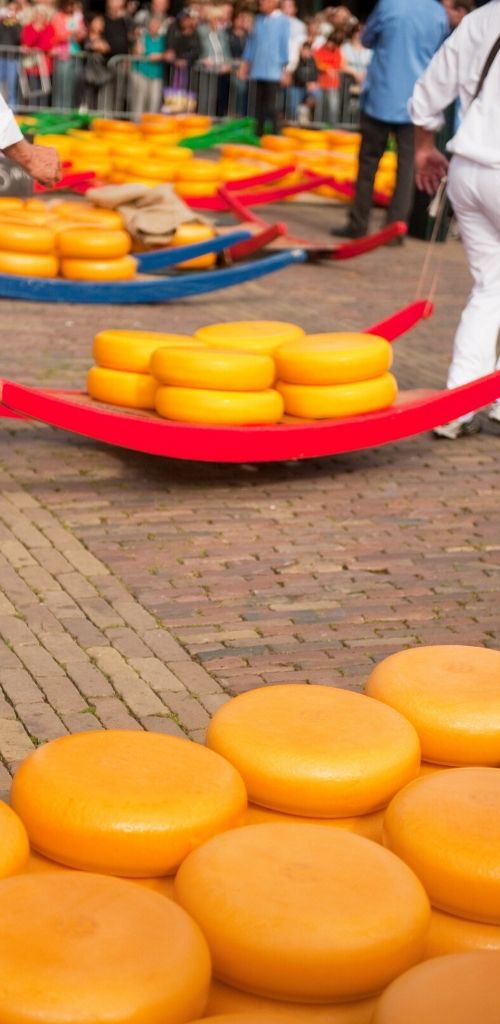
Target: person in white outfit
(468,67)
(40,162)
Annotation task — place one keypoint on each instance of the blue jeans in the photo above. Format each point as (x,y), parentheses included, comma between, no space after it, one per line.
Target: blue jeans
(8,77)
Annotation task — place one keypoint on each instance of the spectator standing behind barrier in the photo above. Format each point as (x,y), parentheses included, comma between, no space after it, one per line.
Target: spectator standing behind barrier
(238,35)
(69,28)
(10,35)
(96,75)
(473,185)
(147,74)
(158,9)
(404,36)
(216,60)
(355,54)
(330,61)
(265,61)
(183,42)
(38,35)
(116,28)
(304,91)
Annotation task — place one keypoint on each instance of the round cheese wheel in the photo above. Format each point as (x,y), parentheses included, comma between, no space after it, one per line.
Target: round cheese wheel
(199,170)
(316,750)
(174,154)
(446,827)
(121,269)
(125,803)
(190,234)
(87,243)
(14,844)
(227,1001)
(249,335)
(109,219)
(29,264)
(333,359)
(78,946)
(117,387)
(449,934)
(108,125)
(10,203)
(164,885)
(304,913)
(26,238)
(234,408)
(196,189)
(205,368)
(452,696)
(334,401)
(463,988)
(132,350)
(367,825)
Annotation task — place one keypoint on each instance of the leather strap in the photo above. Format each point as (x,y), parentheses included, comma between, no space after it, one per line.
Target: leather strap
(489,61)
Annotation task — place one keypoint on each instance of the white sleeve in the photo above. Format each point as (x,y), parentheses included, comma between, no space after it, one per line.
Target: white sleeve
(9,132)
(437,87)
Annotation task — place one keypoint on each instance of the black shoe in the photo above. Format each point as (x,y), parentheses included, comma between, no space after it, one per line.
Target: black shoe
(346,232)
(396,241)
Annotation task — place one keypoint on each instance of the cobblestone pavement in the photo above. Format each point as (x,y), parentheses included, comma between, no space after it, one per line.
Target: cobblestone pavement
(141,593)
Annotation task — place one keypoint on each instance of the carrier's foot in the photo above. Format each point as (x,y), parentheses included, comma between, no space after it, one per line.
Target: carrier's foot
(346,232)
(457,428)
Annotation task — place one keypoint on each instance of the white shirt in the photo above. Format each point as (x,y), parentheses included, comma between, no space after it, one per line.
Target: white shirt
(455,71)
(9,132)
(298,35)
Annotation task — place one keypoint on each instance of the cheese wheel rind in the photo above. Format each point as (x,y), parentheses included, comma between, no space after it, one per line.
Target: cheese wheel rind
(225,1002)
(123,268)
(132,350)
(118,387)
(14,843)
(26,238)
(333,359)
(29,264)
(335,401)
(463,988)
(367,825)
(212,370)
(231,408)
(250,335)
(450,934)
(89,243)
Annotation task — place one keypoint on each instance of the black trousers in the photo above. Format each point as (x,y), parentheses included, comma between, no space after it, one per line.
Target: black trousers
(267,97)
(373,143)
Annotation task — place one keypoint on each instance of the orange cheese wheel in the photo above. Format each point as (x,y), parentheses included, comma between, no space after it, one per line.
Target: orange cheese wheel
(87,243)
(463,988)
(452,696)
(14,844)
(121,269)
(198,171)
(78,946)
(449,934)
(278,143)
(109,219)
(132,350)
(29,264)
(216,370)
(249,335)
(233,408)
(108,125)
(190,234)
(196,189)
(446,826)
(174,154)
(315,750)
(333,359)
(10,203)
(125,803)
(26,238)
(367,825)
(36,864)
(304,913)
(334,401)
(117,387)
(227,1002)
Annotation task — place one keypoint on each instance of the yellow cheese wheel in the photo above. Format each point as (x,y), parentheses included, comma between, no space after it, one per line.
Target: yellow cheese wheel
(367,825)
(447,828)
(10,203)
(107,125)
(121,269)
(315,401)
(29,264)
(87,243)
(196,189)
(449,934)
(189,234)
(36,864)
(125,803)
(109,219)
(77,946)
(249,335)
(463,988)
(316,750)
(132,350)
(304,913)
(117,387)
(452,696)
(233,408)
(26,238)
(227,1001)
(333,359)
(174,154)
(14,844)
(206,368)
(199,171)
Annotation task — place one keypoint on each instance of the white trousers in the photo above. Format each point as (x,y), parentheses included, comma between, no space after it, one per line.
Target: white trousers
(474,191)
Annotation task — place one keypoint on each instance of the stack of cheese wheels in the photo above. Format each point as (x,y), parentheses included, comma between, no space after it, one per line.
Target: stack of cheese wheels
(446,827)
(315,752)
(463,988)
(329,376)
(197,178)
(257,336)
(215,387)
(121,376)
(189,234)
(304,914)
(131,804)
(27,248)
(86,947)
(90,255)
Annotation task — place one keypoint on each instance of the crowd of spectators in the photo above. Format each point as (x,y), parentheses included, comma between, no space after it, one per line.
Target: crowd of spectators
(57,53)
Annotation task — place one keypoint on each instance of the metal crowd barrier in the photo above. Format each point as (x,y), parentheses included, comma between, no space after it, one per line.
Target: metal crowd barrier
(32,81)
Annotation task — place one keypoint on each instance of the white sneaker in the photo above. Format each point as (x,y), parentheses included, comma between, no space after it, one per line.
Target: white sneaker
(458,428)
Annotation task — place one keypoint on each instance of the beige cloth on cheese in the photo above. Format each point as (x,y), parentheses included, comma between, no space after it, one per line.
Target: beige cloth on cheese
(151,215)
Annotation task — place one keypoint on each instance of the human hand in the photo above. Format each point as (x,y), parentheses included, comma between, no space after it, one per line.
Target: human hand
(243,71)
(430,167)
(44,165)
(286,79)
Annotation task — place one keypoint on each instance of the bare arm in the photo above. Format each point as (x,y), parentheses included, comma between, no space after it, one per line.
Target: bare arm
(430,164)
(40,162)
